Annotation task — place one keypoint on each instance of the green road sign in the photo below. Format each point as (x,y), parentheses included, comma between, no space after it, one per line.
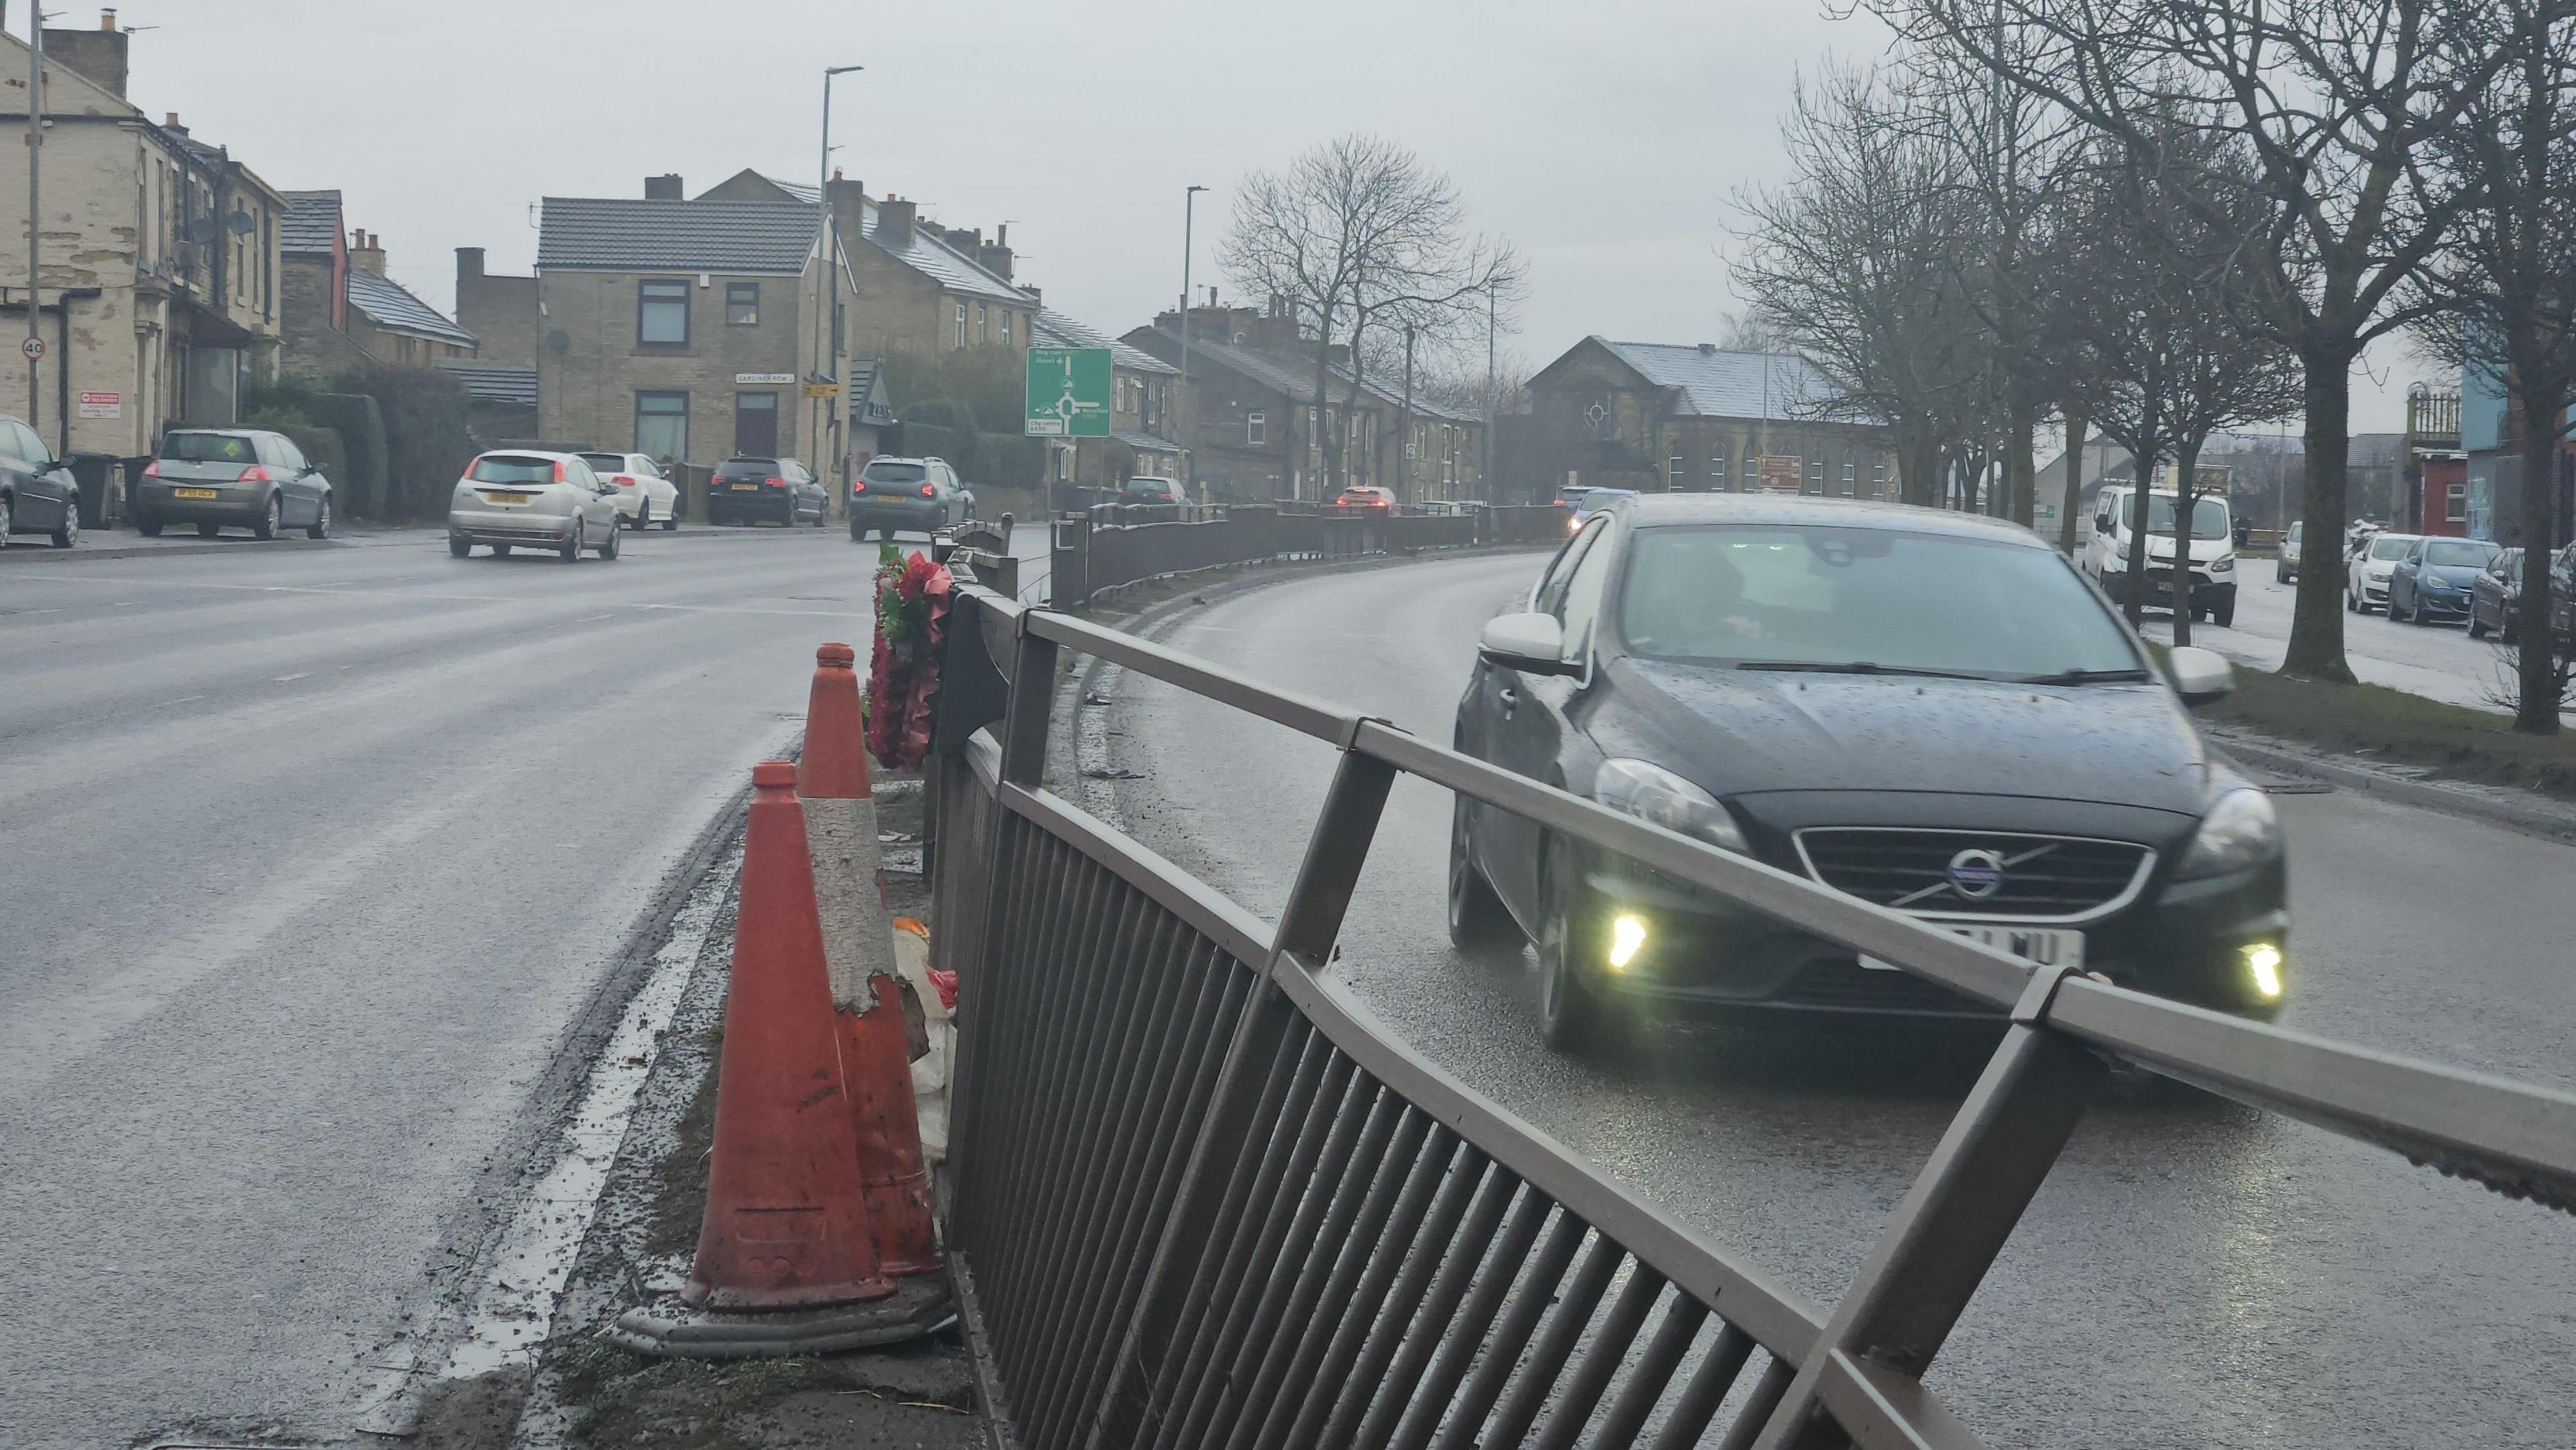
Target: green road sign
(1068,392)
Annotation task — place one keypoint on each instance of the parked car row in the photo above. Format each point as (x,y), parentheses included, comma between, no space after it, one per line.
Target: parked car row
(2431,579)
(214,478)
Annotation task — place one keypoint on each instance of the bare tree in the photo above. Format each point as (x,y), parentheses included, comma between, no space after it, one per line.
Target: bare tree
(1350,235)
(2503,292)
(2337,102)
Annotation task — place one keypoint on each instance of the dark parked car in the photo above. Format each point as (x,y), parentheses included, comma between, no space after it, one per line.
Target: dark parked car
(747,490)
(247,477)
(2495,600)
(2434,578)
(37,494)
(1136,491)
(913,495)
(1926,710)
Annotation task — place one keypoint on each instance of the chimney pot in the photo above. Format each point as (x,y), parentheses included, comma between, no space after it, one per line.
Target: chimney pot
(894,221)
(107,18)
(171,120)
(665,187)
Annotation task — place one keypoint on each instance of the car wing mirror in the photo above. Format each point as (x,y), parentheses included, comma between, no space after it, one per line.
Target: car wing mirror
(1532,643)
(2200,676)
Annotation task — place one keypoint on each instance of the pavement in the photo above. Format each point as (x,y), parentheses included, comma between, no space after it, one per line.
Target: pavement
(2437,661)
(319,863)
(2194,1275)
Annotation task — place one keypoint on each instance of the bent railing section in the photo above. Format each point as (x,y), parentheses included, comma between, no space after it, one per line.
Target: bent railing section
(1200,1197)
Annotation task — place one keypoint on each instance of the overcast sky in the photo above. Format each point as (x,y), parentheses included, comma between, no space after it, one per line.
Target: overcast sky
(1605,139)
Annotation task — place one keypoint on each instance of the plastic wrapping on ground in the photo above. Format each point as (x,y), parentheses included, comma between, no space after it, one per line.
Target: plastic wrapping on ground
(930,1070)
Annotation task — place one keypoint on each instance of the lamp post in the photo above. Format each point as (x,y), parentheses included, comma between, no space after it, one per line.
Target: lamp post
(34,347)
(1189,204)
(824,288)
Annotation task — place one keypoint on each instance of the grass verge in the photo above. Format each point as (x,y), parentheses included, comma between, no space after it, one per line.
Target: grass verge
(2393,727)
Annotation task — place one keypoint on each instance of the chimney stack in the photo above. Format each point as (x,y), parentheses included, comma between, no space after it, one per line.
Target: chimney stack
(995,259)
(367,253)
(469,264)
(97,56)
(849,210)
(665,187)
(894,221)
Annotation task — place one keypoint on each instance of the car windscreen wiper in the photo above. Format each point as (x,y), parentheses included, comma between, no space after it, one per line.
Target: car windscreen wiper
(2082,677)
(1857,667)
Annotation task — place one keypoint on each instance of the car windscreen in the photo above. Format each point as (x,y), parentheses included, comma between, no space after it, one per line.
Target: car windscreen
(2459,553)
(1776,595)
(2294,531)
(2385,547)
(606,462)
(208,448)
(894,473)
(509,468)
(2208,515)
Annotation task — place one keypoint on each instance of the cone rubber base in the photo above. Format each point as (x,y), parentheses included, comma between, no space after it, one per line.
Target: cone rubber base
(670,1329)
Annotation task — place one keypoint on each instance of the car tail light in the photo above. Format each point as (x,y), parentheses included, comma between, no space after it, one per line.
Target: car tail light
(624,481)
(775,482)
(559,470)
(254,474)
(859,485)
(930,490)
(152,469)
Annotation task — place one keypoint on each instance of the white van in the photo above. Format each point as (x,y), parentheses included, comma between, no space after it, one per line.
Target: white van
(2105,557)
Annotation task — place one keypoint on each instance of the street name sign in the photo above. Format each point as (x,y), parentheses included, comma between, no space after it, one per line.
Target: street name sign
(1068,392)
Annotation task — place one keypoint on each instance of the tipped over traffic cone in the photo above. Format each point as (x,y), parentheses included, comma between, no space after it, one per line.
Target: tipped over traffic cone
(858,943)
(786,1222)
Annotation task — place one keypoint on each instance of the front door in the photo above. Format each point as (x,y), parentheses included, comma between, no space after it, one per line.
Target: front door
(755,425)
(1527,717)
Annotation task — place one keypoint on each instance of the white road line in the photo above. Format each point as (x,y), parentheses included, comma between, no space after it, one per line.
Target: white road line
(854,610)
(182,700)
(289,679)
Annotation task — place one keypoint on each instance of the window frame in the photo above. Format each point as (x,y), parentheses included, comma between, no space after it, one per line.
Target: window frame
(681,412)
(1256,428)
(961,326)
(734,295)
(646,301)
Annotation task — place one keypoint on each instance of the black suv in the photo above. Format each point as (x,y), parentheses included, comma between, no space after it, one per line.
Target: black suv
(748,490)
(1926,710)
(37,494)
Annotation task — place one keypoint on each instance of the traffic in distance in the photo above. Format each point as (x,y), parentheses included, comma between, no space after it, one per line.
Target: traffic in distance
(1929,711)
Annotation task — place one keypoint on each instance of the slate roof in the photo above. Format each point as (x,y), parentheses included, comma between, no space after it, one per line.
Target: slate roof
(632,234)
(1054,329)
(1145,442)
(938,261)
(385,301)
(1296,378)
(1721,384)
(511,384)
(312,224)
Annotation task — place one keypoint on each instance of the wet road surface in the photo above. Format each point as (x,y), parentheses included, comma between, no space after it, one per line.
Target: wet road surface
(2438,661)
(309,857)
(2193,1274)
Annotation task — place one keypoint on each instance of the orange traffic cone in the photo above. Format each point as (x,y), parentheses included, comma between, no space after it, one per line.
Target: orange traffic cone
(858,944)
(786,1221)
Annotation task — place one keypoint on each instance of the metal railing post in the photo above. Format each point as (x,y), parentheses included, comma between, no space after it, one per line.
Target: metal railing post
(1335,852)
(1944,1236)
(1024,745)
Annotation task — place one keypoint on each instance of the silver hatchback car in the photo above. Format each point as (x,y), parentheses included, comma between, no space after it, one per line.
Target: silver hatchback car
(542,500)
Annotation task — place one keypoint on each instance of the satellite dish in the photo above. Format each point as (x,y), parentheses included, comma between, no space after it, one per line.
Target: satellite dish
(558,341)
(201,229)
(240,223)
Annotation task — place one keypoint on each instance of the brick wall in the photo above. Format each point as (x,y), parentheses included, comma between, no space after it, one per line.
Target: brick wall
(501,311)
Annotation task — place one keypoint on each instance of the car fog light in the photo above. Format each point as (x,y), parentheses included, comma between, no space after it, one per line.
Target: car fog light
(1627,938)
(2263,968)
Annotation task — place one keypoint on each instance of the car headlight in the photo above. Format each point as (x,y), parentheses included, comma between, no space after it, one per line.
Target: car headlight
(2223,564)
(1654,794)
(2239,832)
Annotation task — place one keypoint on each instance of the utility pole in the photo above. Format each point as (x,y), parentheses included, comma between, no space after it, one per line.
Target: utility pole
(826,284)
(1189,204)
(34,347)
(1404,455)
(1493,399)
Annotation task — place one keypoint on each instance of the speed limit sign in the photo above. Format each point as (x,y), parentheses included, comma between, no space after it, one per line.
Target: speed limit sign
(33,347)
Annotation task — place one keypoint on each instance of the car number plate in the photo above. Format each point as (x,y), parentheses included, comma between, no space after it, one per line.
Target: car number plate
(746,488)
(509,497)
(2038,945)
(195,493)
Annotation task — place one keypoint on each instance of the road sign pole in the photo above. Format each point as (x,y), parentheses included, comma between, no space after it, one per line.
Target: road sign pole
(34,347)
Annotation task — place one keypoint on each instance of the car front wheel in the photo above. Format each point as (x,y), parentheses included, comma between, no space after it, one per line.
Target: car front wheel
(1476,916)
(1572,1016)
(69,533)
(320,528)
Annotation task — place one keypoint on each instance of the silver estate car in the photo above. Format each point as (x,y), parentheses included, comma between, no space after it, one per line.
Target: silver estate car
(543,500)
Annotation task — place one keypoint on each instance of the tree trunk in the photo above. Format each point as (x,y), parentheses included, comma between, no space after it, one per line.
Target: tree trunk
(2076,427)
(1922,470)
(2142,470)
(2186,474)
(2021,478)
(2536,710)
(2316,623)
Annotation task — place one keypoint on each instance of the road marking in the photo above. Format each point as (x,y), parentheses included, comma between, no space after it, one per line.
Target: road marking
(290,679)
(182,700)
(735,609)
(594,619)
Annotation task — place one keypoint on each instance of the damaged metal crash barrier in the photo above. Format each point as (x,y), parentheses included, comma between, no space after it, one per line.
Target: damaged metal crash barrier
(1202,1197)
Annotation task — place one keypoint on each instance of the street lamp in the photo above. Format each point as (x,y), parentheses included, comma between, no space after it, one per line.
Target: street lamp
(824,290)
(1189,203)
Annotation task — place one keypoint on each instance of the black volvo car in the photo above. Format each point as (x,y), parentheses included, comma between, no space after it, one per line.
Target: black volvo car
(1927,710)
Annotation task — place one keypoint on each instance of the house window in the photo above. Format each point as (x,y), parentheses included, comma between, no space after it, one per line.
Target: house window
(1006,327)
(980,338)
(742,304)
(1256,428)
(1878,480)
(1717,475)
(662,425)
(961,324)
(662,312)
(1673,474)
(1816,476)
(2458,509)
(1752,472)
(1851,472)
